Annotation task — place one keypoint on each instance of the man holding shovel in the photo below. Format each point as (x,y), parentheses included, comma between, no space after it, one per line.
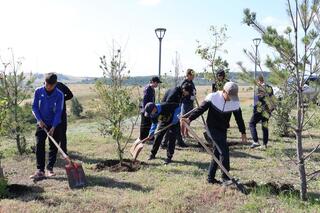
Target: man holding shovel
(47,108)
(220,104)
(167,114)
(176,95)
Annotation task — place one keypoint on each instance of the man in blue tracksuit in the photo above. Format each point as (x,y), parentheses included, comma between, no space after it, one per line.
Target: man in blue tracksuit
(47,108)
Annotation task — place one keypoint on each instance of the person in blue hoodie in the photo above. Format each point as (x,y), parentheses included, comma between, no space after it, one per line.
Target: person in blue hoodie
(47,108)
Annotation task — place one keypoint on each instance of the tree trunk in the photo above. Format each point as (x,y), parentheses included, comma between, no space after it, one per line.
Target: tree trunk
(1,171)
(18,141)
(301,166)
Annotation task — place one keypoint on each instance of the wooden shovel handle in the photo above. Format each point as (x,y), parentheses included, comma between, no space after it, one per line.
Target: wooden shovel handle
(65,156)
(207,149)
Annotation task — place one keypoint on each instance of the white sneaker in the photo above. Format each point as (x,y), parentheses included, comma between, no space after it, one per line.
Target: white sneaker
(254,145)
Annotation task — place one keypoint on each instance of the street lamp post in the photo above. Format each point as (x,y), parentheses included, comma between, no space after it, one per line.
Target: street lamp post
(256,42)
(160,32)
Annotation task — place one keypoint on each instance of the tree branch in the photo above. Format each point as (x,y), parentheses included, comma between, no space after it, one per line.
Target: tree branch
(308,155)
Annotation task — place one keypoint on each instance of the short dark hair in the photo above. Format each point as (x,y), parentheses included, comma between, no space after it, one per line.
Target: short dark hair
(187,87)
(190,72)
(221,72)
(260,78)
(51,78)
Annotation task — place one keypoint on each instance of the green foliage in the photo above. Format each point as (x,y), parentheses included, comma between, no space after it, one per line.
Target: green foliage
(116,102)
(290,63)
(3,187)
(210,52)
(15,88)
(76,107)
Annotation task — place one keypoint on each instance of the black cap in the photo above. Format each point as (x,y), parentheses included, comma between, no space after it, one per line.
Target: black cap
(156,79)
(221,72)
(148,109)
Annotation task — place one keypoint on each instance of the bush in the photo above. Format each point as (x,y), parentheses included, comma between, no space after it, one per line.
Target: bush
(76,107)
(3,187)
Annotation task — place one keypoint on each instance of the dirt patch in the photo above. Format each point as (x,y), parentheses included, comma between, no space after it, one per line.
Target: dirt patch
(115,166)
(17,190)
(272,187)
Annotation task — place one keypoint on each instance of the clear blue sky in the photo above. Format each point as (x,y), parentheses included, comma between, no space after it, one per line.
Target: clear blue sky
(69,36)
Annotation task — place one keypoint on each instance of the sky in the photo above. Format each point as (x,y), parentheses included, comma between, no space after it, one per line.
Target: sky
(69,36)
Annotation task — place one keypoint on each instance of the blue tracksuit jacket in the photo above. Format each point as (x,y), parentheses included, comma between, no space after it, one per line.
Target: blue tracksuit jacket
(48,108)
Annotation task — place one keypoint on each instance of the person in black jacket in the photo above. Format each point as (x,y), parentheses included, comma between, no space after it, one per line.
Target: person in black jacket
(261,112)
(219,84)
(63,126)
(220,104)
(165,114)
(221,80)
(148,96)
(176,95)
(188,102)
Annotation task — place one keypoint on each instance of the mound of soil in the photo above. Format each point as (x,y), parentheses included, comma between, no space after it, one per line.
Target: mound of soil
(115,166)
(272,187)
(16,190)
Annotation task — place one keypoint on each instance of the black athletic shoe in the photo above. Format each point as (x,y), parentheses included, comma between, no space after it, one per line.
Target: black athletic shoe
(152,157)
(167,161)
(182,144)
(214,181)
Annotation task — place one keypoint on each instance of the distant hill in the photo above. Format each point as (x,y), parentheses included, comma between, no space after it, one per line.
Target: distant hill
(139,80)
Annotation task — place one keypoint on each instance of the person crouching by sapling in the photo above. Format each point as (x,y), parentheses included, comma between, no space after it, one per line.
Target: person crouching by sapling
(47,108)
(166,114)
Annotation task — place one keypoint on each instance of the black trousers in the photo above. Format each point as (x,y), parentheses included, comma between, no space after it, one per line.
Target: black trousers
(256,118)
(145,126)
(63,138)
(41,137)
(220,137)
(178,137)
(172,134)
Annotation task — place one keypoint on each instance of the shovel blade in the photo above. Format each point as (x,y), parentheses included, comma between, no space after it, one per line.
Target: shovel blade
(137,151)
(76,175)
(134,145)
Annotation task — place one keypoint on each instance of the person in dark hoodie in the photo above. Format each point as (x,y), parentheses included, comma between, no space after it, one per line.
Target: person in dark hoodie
(63,125)
(220,106)
(148,96)
(167,113)
(176,95)
(188,102)
(220,81)
(47,108)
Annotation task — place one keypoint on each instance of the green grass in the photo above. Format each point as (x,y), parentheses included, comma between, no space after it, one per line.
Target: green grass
(178,187)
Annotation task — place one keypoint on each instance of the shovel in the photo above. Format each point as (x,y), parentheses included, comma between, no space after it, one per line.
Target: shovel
(207,134)
(75,173)
(239,185)
(137,146)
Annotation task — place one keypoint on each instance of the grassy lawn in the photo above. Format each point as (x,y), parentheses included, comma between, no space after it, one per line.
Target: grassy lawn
(177,187)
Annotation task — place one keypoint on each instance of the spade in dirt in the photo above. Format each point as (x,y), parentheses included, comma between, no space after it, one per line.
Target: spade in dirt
(137,146)
(239,185)
(75,172)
